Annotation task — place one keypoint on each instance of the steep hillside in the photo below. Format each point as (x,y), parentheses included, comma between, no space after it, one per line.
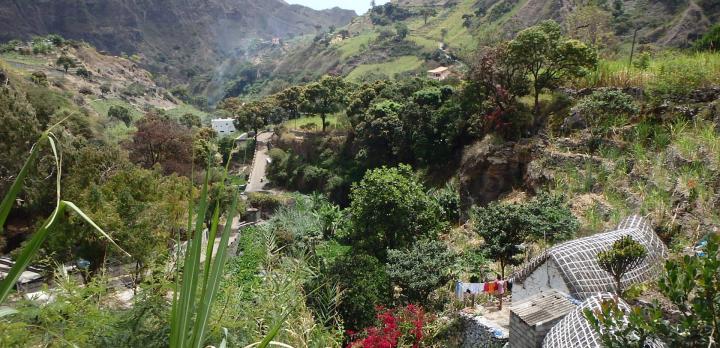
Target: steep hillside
(173,37)
(444,32)
(95,82)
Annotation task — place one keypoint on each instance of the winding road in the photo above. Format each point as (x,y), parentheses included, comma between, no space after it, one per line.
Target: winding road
(256,181)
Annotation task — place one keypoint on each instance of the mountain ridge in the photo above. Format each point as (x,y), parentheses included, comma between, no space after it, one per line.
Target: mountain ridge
(171,36)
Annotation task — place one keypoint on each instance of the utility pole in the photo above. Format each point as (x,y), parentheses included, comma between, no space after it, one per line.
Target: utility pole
(632,48)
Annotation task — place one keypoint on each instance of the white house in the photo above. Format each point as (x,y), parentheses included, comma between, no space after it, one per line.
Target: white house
(223,126)
(572,267)
(439,74)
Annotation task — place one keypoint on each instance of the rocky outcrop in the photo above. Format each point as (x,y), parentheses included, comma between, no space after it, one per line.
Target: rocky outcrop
(493,167)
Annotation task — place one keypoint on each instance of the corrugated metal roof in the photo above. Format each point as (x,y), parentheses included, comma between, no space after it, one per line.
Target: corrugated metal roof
(543,307)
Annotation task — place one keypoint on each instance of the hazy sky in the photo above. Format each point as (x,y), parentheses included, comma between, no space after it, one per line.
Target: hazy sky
(360,6)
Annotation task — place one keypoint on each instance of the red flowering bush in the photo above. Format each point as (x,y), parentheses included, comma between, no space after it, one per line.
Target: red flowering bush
(398,327)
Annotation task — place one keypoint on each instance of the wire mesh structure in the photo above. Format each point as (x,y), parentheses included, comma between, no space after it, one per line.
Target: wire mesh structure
(574,331)
(577,259)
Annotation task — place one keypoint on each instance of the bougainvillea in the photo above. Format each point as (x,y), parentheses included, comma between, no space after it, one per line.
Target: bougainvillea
(396,327)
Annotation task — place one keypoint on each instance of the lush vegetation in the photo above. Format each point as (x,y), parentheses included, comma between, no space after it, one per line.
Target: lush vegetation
(393,173)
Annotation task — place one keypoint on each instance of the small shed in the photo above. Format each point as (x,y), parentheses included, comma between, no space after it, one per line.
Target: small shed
(533,318)
(439,73)
(572,267)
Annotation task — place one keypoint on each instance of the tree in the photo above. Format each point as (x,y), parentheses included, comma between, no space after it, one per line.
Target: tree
(380,133)
(190,120)
(390,210)
(159,140)
(66,62)
(120,113)
(421,269)
(591,24)
(549,58)
(443,34)
(324,97)
(105,88)
(625,255)
(401,30)
(255,115)
(709,41)
(498,77)
(551,219)
(503,227)
(427,13)
(365,285)
(290,100)
(692,284)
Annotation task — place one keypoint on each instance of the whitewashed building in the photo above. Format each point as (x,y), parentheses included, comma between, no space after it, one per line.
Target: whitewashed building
(439,74)
(223,126)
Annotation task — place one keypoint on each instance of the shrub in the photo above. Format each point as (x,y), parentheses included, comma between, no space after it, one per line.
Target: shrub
(134,90)
(552,219)
(398,327)
(710,40)
(266,203)
(606,108)
(39,78)
(366,285)
(85,91)
(421,269)
(120,113)
(82,72)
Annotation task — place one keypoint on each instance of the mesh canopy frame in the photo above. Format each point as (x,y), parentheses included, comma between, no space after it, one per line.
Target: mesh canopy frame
(577,259)
(575,331)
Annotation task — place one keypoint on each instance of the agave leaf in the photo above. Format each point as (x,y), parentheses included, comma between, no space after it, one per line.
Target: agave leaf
(215,276)
(10,196)
(72,206)
(223,344)
(5,311)
(191,267)
(28,252)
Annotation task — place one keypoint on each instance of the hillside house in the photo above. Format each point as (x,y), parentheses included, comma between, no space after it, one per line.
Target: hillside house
(572,267)
(223,126)
(439,74)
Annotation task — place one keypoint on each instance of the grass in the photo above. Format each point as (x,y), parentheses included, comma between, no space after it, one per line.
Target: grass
(677,69)
(101,106)
(352,46)
(334,121)
(14,57)
(183,109)
(390,69)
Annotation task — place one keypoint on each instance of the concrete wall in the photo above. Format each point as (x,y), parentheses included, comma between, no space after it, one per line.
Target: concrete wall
(537,281)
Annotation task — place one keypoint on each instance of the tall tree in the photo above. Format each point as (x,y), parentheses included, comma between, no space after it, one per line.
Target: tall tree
(159,140)
(290,100)
(625,255)
(503,228)
(256,114)
(549,58)
(390,209)
(65,62)
(325,97)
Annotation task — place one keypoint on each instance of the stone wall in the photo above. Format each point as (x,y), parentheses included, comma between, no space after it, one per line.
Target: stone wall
(478,332)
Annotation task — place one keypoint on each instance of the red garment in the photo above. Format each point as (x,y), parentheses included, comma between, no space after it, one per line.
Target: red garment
(486,288)
(491,288)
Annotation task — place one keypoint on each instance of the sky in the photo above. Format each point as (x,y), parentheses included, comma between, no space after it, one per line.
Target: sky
(360,6)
